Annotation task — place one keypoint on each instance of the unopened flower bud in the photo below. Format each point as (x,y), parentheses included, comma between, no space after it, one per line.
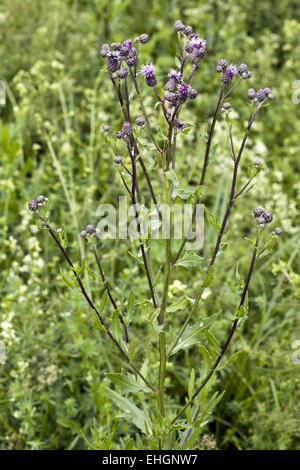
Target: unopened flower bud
(90,229)
(144,38)
(41,199)
(118,159)
(119,134)
(258,211)
(278,231)
(251,94)
(179,26)
(140,121)
(257,162)
(83,234)
(33,205)
(268,216)
(122,72)
(227,106)
(260,220)
(188,30)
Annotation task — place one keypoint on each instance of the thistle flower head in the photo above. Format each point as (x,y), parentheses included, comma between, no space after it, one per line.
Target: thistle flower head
(171,97)
(33,205)
(182,92)
(179,26)
(180,126)
(41,199)
(229,73)
(197,42)
(127,129)
(257,162)
(278,231)
(140,121)
(175,75)
(122,72)
(105,50)
(267,216)
(251,93)
(144,38)
(192,93)
(258,211)
(113,61)
(263,93)
(116,46)
(118,159)
(148,71)
(222,64)
(90,229)
(188,30)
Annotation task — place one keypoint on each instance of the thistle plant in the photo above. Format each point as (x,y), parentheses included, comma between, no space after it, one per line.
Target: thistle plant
(143,399)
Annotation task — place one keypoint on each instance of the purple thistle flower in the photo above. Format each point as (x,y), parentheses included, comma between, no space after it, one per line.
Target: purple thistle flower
(175,75)
(179,26)
(182,92)
(197,42)
(122,72)
(33,205)
(118,159)
(113,61)
(192,93)
(197,54)
(189,47)
(105,50)
(222,64)
(148,71)
(90,229)
(140,121)
(261,95)
(242,68)
(251,94)
(231,70)
(144,38)
(171,97)
(119,134)
(229,73)
(268,216)
(127,129)
(180,126)
(188,30)
(116,46)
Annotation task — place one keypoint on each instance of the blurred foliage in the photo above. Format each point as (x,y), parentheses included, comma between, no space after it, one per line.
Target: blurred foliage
(58,99)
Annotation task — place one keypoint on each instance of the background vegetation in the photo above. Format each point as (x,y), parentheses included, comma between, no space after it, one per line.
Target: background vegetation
(58,99)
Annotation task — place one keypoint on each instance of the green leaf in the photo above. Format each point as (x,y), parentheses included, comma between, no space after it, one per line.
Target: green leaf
(97,325)
(209,277)
(130,305)
(67,280)
(212,153)
(129,411)
(171,175)
(189,338)
(191,384)
(82,267)
(189,259)
(103,302)
(211,219)
(127,383)
(179,304)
